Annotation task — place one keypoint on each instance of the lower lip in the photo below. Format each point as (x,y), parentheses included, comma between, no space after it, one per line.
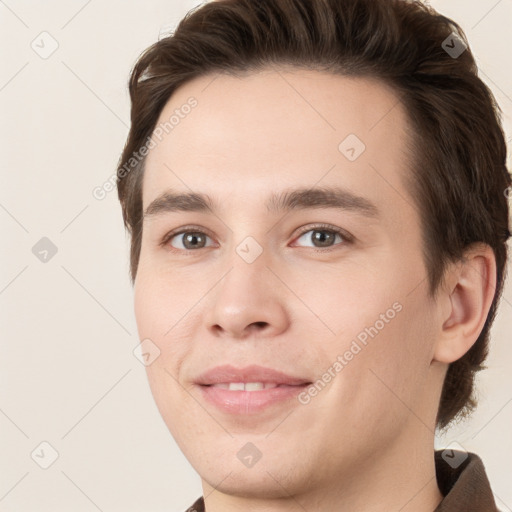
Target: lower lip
(249,402)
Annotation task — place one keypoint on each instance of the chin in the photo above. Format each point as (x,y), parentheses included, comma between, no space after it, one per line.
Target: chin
(251,484)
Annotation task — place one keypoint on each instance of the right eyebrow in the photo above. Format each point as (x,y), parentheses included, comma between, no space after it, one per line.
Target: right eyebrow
(171,201)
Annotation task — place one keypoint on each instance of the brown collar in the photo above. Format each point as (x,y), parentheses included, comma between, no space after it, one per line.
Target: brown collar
(462,480)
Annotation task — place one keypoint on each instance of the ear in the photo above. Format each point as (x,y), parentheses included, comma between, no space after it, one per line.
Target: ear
(465,302)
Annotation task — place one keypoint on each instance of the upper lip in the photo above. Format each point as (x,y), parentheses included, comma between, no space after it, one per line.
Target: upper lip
(253,373)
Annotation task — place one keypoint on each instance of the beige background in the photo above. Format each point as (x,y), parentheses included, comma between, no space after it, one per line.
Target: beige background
(68,373)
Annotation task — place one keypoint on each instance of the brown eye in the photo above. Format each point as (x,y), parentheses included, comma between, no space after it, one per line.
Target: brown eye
(188,240)
(323,237)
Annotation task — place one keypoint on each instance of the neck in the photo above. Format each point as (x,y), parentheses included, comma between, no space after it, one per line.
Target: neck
(398,477)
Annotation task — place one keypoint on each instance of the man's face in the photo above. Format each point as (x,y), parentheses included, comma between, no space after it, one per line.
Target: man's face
(244,285)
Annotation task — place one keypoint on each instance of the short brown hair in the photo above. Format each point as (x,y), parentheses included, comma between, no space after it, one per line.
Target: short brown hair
(458,180)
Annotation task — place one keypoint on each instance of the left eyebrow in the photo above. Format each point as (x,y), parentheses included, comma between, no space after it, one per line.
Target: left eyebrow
(321,197)
(287,200)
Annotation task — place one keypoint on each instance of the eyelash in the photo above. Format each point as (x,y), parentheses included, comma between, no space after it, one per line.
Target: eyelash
(347,238)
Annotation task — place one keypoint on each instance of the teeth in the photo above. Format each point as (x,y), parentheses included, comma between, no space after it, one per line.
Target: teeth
(254,386)
(247,386)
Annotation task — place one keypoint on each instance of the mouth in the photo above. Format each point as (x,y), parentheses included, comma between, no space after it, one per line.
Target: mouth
(252,386)
(250,390)
(253,376)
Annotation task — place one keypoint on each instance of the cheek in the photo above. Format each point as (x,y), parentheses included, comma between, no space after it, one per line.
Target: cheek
(382,336)
(347,303)
(382,384)
(160,301)
(161,316)
(396,359)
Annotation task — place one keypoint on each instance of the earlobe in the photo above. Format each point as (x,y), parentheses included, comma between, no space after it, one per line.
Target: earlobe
(467,300)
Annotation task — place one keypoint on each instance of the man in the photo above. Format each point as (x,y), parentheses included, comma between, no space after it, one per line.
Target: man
(316,194)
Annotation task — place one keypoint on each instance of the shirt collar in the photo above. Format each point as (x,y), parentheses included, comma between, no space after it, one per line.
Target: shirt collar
(462,480)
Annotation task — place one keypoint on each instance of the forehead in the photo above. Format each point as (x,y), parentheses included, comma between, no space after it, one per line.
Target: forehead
(250,135)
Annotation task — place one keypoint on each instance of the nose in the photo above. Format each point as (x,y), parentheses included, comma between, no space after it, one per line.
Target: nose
(248,301)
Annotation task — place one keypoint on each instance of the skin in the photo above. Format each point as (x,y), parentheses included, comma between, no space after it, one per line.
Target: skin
(366,441)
